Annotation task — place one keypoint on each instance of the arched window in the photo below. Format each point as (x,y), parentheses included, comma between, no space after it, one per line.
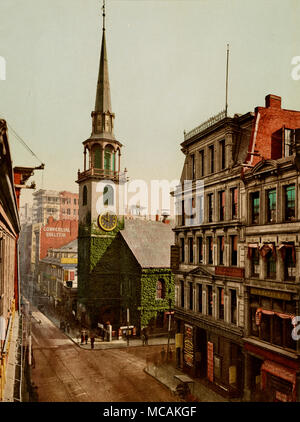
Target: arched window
(108,155)
(97,157)
(160,289)
(108,195)
(84,196)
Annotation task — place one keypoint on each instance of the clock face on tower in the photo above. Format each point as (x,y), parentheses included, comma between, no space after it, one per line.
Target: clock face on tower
(107,221)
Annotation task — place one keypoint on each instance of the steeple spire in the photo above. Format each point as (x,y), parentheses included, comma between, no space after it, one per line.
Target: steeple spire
(103,100)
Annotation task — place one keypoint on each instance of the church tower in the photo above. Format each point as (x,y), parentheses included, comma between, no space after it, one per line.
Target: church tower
(101,200)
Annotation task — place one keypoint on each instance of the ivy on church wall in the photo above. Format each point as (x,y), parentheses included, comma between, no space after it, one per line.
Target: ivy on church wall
(150,305)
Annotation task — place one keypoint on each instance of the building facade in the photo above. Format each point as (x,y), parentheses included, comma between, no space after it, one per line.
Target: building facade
(58,278)
(50,203)
(271,204)
(235,262)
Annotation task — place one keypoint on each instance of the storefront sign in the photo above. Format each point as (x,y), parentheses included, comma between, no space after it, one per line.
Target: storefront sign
(179,340)
(232,375)
(270,293)
(188,350)
(230,271)
(68,260)
(210,361)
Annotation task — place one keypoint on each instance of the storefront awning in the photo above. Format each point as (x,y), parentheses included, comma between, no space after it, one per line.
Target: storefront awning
(279,371)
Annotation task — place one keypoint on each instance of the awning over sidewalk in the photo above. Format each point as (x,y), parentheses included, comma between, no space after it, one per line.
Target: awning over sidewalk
(279,371)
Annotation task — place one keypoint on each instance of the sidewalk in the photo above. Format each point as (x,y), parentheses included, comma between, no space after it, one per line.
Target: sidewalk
(114,344)
(8,393)
(165,373)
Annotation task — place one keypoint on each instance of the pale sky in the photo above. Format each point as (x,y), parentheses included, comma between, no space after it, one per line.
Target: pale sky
(167,62)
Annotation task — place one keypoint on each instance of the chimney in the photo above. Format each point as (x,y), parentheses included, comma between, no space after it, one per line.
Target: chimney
(273,101)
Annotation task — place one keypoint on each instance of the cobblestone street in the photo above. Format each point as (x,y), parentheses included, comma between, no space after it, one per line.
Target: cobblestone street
(62,371)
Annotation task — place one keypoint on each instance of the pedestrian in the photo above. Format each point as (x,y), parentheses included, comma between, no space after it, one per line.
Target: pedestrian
(86,338)
(163,354)
(68,328)
(92,341)
(82,336)
(144,336)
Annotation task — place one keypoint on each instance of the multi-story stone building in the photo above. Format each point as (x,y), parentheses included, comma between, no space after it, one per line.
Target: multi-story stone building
(236,239)
(58,278)
(209,278)
(270,207)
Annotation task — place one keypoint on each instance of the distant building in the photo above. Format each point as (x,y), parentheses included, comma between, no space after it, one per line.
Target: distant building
(26,214)
(69,206)
(58,278)
(50,203)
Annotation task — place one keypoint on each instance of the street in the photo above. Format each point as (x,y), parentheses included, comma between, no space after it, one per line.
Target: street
(64,372)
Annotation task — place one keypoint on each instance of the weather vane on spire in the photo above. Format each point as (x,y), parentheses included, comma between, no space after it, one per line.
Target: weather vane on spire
(103,14)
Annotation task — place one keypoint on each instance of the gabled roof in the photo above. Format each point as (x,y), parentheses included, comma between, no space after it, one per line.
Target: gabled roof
(149,241)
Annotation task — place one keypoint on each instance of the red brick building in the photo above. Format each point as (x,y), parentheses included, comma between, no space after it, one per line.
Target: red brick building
(69,205)
(56,234)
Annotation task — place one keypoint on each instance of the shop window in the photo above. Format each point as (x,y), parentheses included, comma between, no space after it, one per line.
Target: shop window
(271,205)
(289,202)
(234,202)
(209,300)
(221,205)
(221,302)
(265,328)
(200,298)
(221,249)
(254,197)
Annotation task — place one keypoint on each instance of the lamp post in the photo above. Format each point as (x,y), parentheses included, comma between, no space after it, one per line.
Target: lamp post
(169,313)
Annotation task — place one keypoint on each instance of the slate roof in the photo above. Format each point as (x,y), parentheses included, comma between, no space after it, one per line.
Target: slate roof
(149,241)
